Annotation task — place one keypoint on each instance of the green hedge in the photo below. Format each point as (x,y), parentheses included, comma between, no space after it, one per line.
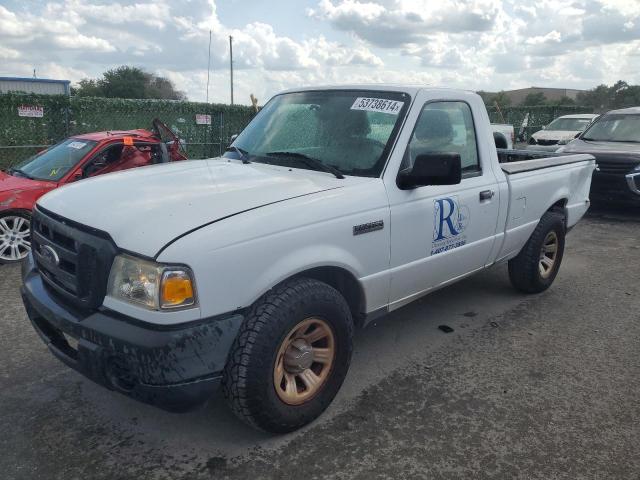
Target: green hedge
(21,137)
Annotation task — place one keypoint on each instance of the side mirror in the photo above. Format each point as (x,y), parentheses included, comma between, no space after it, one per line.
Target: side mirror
(432,169)
(79,175)
(544,127)
(233,137)
(577,135)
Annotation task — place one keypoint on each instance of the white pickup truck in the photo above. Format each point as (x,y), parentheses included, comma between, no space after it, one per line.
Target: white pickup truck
(251,271)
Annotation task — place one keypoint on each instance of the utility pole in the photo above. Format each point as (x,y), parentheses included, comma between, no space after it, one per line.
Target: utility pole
(231,64)
(208,66)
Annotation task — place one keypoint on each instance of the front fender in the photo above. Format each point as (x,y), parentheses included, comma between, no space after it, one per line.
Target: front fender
(237,260)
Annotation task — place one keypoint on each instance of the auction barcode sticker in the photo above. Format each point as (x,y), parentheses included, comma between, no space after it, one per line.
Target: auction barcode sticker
(76,145)
(381,105)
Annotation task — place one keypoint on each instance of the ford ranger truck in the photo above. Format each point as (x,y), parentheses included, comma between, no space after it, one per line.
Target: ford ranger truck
(250,272)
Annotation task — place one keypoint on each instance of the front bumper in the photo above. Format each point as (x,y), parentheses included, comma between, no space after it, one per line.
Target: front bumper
(616,188)
(176,369)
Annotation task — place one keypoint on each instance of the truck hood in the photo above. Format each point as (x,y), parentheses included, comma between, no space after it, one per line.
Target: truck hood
(618,148)
(145,208)
(618,154)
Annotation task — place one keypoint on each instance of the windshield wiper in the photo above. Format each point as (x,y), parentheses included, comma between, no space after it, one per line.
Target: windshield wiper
(21,172)
(240,151)
(312,162)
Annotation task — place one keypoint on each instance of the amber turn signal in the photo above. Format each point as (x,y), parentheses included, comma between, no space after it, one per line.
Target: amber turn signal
(177,289)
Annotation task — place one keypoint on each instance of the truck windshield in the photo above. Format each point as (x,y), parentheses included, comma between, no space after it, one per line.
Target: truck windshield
(53,163)
(350,131)
(615,128)
(569,124)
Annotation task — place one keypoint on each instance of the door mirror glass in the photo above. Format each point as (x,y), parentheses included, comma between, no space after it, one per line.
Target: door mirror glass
(432,169)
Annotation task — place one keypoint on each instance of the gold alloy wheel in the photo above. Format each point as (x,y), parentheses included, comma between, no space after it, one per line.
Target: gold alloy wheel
(304,362)
(548,254)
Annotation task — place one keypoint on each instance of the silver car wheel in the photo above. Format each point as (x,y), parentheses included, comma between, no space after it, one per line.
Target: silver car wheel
(15,238)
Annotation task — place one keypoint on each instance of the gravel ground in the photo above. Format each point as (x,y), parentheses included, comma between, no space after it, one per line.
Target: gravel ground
(542,386)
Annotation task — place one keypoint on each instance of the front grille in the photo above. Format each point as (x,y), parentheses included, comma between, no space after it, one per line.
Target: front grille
(615,167)
(547,142)
(74,260)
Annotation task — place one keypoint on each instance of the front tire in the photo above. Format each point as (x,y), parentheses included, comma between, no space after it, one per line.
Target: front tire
(15,236)
(536,266)
(290,357)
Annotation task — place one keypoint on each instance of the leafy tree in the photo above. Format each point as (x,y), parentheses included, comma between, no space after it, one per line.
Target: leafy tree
(603,98)
(502,99)
(534,99)
(87,88)
(563,101)
(128,82)
(490,99)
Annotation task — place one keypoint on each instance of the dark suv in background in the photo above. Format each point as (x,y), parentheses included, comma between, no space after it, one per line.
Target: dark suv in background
(614,139)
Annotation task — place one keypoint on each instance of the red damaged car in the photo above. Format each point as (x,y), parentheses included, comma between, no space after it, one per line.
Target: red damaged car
(73,159)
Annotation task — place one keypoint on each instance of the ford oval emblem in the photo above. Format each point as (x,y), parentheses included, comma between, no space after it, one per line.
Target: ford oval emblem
(50,255)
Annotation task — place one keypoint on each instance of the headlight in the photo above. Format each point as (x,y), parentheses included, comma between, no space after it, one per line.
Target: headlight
(151,285)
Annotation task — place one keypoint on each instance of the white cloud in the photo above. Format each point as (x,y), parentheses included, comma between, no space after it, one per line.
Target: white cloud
(8,53)
(82,42)
(397,23)
(475,44)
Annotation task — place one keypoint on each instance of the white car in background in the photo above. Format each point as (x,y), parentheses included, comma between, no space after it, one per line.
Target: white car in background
(561,131)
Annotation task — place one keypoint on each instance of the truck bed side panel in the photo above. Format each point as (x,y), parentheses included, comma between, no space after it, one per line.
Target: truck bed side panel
(533,192)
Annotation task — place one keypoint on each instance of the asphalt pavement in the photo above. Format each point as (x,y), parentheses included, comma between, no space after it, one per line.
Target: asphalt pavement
(544,386)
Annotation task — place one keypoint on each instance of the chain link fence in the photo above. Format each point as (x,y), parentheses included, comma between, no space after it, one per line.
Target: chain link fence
(30,123)
(528,120)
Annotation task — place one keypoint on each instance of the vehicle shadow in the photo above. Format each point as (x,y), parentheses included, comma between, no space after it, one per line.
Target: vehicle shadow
(387,344)
(618,213)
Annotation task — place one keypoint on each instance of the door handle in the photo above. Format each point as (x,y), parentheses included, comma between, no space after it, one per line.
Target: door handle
(486,195)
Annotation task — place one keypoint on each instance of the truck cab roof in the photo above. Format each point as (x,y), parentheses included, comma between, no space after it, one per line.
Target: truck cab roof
(411,89)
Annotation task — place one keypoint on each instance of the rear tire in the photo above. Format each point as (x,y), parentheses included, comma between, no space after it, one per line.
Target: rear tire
(536,266)
(290,357)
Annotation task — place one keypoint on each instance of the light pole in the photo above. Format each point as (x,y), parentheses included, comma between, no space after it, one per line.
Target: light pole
(231,64)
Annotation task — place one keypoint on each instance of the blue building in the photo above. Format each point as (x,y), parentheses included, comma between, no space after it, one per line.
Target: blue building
(34,85)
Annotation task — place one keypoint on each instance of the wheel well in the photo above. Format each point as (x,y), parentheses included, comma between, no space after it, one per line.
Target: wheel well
(560,207)
(16,211)
(343,281)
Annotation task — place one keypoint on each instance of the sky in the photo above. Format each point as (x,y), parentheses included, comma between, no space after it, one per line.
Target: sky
(476,44)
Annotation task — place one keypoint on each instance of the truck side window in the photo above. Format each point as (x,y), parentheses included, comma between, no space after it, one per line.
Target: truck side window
(444,127)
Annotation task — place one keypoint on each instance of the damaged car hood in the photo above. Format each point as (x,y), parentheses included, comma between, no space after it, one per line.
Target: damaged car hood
(144,209)
(9,183)
(555,134)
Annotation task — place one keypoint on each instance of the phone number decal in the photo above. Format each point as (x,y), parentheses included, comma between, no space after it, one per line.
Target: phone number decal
(377,105)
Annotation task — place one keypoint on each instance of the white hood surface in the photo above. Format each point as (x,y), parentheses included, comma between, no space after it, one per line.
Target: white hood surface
(555,135)
(179,196)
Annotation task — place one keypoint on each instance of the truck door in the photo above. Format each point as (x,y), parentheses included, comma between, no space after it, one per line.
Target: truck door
(441,232)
